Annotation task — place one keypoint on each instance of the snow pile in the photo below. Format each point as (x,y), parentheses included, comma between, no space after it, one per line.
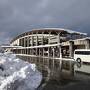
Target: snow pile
(16,74)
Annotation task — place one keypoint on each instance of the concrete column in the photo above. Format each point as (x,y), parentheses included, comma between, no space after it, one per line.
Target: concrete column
(32,40)
(28,41)
(21,51)
(43,56)
(39,51)
(17,51)
(48,48)
(24,42)
(53,52)
(43,52)
(60,51)
(48,57)
(48,52)
(24,51)
(53,56)
(36,52)
(71,48)
(49,38)
(58,37)
(42,38)
(27,50)
(59,42)
(87,45)
(36,39)
(21,42)
(36,42)
(30,51)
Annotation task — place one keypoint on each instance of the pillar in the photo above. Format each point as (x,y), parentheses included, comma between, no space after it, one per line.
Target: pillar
(48,56)
(48,52)
(28,41)
(87,45)
(53,56)
(39,51)
(48,49)
(43,52)
(20,42)
(42,38)
(49,38)
(27,50)
(43,55)
(36,52)
(30,51)
(21,51)
(36,39)
(53,52)
(36,42)
(25,42)
(71,48)
(32,40)
(60,49)
(24,51)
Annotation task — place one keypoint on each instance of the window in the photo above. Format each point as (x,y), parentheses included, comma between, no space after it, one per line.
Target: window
(82,52)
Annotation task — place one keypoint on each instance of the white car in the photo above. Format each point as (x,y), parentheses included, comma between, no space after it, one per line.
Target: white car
(82,55)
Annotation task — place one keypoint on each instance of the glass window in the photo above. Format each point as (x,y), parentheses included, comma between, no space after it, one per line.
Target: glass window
(83,52)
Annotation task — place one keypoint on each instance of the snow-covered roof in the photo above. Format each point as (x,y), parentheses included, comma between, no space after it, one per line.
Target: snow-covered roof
(49,29)
(67,30)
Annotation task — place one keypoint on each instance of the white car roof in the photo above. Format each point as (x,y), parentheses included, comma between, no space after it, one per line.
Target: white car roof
(82,50)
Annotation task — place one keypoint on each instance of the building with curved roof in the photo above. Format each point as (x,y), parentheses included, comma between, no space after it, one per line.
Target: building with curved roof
(46,41)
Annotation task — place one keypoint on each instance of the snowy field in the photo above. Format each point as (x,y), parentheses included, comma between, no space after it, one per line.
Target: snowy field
(16,74)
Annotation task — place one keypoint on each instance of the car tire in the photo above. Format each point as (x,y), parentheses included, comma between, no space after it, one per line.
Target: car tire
(78,62)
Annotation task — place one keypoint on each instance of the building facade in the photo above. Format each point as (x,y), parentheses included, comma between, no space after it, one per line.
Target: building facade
(50,42)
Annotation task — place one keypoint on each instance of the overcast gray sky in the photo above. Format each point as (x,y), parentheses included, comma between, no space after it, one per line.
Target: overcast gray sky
(18,16)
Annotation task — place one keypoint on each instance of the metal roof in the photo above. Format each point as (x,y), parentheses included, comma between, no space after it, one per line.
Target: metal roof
(50,29)
(62,29)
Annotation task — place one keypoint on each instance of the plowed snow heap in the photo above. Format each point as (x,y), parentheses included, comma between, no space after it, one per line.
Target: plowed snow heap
(16,74)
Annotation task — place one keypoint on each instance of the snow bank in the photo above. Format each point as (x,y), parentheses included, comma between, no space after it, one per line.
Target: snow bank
(16,74)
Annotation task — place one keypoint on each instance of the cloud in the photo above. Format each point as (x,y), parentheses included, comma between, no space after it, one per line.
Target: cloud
(18,16)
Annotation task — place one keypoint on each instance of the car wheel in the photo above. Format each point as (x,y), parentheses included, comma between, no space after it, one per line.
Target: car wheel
(78,62)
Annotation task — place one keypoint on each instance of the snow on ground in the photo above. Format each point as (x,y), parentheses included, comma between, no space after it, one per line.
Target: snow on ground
(16,74)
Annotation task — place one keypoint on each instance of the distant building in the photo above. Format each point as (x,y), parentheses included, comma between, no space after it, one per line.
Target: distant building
(50,42)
